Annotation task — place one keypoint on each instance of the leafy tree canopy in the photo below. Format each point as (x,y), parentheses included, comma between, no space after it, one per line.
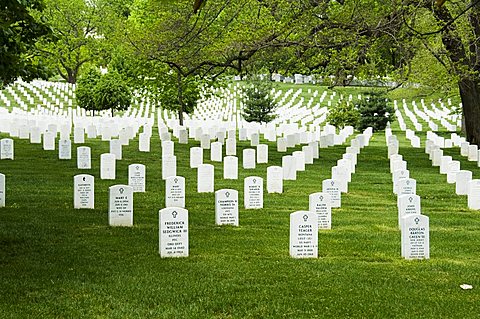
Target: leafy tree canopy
(19,30)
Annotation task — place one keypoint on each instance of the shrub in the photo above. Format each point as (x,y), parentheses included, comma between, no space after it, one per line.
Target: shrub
(259,105)
(96,92)
(374,112)
(112,92)
(343,114)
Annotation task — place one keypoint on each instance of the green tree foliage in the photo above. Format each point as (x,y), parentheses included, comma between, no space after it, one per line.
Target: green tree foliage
(343,114)
(258,103)
(374,111)
(98,92)
(171,98)
(85,89)
(79,28)
(112,92)
(199,47)
(19,30)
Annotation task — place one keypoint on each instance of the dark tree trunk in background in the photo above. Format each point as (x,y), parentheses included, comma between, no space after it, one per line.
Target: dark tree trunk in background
(180,98)
(470,95)
(72,77)
(466,63)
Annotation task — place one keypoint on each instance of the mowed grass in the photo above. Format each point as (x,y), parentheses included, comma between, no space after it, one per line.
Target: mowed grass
(58,262)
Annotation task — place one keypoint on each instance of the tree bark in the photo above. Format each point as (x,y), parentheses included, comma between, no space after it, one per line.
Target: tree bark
(72,78)
(71,75)
(470,95)
(180,98)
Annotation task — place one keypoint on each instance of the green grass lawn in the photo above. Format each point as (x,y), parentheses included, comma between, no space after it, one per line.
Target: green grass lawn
(57,262)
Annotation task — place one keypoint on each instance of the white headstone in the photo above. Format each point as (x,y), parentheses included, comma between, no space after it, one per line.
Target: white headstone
(230,167)
(397,176)
(205,178)
(173,232)
(124,137)
(320,204)
(231,147)
(167,148)
(291,140)
(205,141)
(253,192)
(262,153)
(78,135)
(408,204)
(107,166)
(444,162)
(2,190)
(340,175)
(415,237)
(91,131)
(216,152)
(116,148)
(461,182)
(144,142)
(120,205)
(196,157)
(169,166)
(242,134)
(289,167)
(452,170)
(84,158)
(226,207)
(49,141)
(473,196)
(183,136)
(6,148)
(473,153)
(249,159)
(175,191)
(281,144)
(303,234)
(299,160)
(436,157)
(308,154)
(84,191)
(315,149)
(393,159)
(64,149)
(137,177)
(464,148)
(407,186)
(255,139)
(35,135)
(332,188)
(275,179)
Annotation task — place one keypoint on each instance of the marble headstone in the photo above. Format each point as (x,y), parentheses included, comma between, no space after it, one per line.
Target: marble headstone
(320,203)
(107,166)
(173,232)
(137,177)
(253,192)
(175,191)
(226,207)
(303,234)
(84,191)
(120,205)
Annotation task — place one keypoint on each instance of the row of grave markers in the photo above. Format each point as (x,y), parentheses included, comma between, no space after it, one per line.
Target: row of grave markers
(414,227)
(121,200)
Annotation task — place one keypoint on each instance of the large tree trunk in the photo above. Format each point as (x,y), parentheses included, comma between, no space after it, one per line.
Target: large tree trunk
(72,78)
(470,95)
